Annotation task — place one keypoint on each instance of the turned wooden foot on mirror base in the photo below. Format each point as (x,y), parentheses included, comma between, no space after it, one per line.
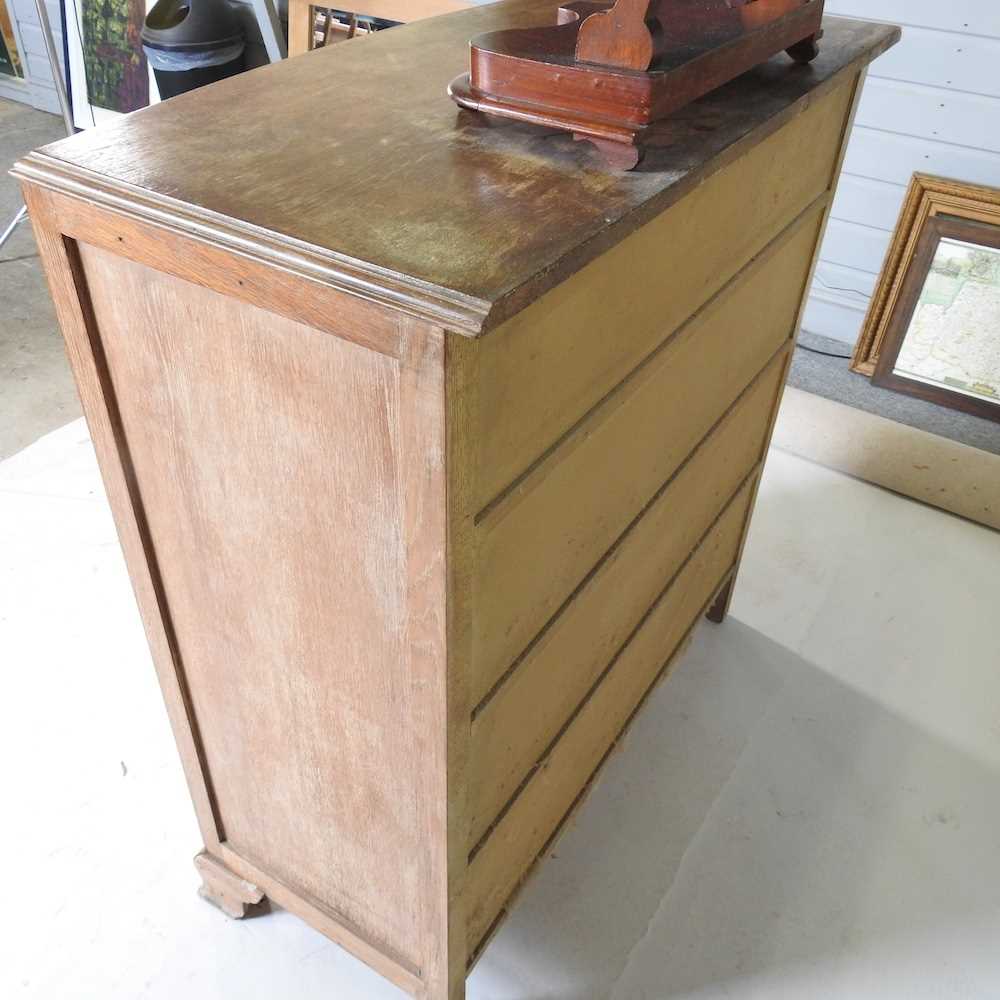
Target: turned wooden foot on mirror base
(617,155)
(236,897)
(608,71)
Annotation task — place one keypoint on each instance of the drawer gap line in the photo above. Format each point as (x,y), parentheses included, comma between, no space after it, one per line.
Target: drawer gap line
(498,501)
(588,784)
(619,541)
(754,472)
(141,521)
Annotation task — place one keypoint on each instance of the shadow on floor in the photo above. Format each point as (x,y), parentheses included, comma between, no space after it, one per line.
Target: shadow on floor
(765,831)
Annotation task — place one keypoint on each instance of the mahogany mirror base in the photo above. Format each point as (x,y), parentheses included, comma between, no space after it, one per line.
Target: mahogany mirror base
(541,75)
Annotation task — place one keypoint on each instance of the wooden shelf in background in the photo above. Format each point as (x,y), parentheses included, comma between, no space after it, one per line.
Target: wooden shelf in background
(302,16)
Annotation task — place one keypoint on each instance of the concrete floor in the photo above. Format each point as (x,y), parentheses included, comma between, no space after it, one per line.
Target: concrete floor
(807,807)
(37,393)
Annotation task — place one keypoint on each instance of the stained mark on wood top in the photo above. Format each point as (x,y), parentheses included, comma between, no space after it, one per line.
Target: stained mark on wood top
(358,151)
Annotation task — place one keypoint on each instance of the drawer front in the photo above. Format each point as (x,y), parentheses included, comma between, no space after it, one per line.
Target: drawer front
(500,862)
(546,367)
(512,730)
(545,536)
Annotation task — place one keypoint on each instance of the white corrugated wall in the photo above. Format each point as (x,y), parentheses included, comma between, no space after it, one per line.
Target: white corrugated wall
(931,105)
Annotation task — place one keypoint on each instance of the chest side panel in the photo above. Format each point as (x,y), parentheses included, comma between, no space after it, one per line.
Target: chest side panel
(269,460)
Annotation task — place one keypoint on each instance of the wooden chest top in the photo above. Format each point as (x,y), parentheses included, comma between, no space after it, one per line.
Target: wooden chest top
(352,165)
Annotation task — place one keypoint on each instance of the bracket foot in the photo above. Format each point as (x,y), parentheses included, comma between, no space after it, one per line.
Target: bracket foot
(222,888)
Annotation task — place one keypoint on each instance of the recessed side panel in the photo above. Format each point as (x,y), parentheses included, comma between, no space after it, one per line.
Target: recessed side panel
(267,460)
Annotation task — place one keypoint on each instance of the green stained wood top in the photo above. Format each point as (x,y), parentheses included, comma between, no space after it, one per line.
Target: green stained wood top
(353,164)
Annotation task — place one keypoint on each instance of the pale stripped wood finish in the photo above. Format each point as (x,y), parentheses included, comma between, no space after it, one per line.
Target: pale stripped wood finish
(310,639)
(160,420)
(230,893)
(405,585)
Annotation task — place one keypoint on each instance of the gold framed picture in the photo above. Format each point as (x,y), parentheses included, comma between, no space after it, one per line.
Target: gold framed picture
(909,314)
(10,59)
(942,342)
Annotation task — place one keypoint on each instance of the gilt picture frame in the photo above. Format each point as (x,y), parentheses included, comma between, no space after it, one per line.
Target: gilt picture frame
(942,343)
(928,198)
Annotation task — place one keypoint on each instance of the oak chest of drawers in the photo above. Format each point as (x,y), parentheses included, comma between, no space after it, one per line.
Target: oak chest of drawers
(429,441)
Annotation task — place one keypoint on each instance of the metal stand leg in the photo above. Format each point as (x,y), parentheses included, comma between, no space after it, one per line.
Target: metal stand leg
(22,214)
(55,66)
(270,29)
(57,80)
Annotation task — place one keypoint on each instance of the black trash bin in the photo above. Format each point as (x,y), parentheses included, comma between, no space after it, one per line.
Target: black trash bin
(190,43)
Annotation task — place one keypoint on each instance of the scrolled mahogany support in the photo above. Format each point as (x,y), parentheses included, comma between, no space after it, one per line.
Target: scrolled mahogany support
(607,72)
(629,35)
(617,155)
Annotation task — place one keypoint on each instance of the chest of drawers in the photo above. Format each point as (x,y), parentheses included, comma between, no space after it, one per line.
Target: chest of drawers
(429,441)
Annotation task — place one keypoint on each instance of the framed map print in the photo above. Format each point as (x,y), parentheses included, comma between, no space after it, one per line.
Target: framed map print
(927,200)
(942,341)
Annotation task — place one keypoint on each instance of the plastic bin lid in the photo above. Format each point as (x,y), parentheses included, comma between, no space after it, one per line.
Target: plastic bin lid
(191,25)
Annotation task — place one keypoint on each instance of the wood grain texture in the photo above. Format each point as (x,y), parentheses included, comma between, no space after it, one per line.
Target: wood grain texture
(559,357)
(327,921)
(300,552)
(220,887)
(619,36)
(244,277)
(514,727)
(461,400)
(566,513)
(477,220)
(71,298)
(506,855)
(327,501)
